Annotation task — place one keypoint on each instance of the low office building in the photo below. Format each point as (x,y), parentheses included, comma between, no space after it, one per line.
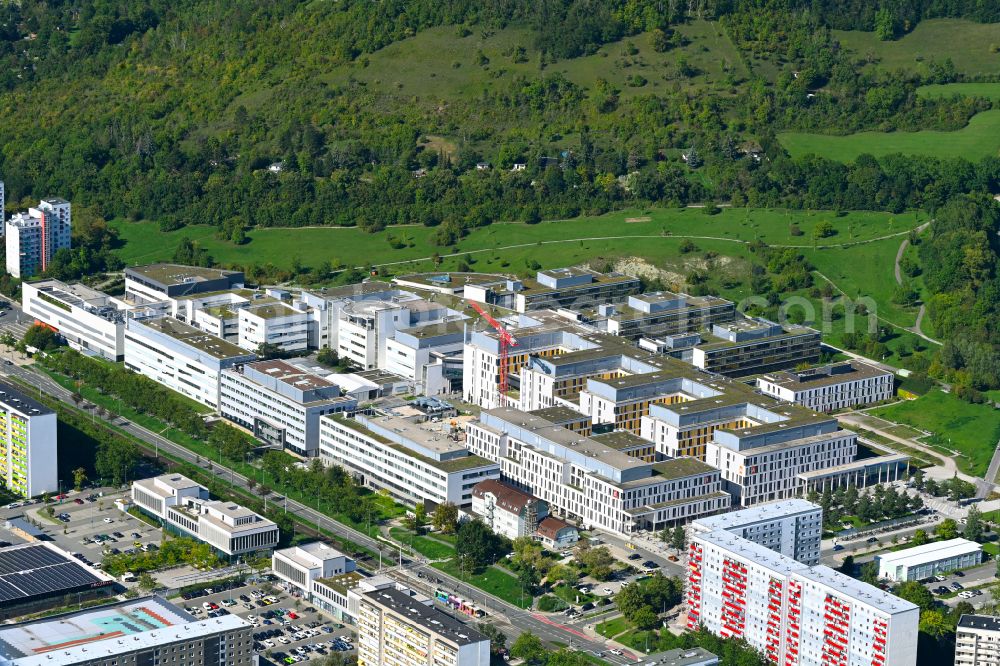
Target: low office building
(664,313)
(977,641)
(396,628)
(28,444)
(415,460)
(38,576)
(139,632)
(750,346)
(791,527)
(830,387)
(155,283)
(575,288)
(300,566)
(611,481)
(86,318)
(929,560)
(507,510)
(184,507)
(798,615)
(280,403)
(181,357)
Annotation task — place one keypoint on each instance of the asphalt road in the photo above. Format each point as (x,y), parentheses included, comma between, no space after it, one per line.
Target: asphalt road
(521,620)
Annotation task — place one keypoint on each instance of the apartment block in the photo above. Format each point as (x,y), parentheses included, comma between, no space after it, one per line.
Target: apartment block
(611,482)
(137,632)
(831,387)
(398,629)
(663,313)
(280,403)
(574,288)
(155,283)
(415,460)
(88,319)
(28,448)
(750,346)
(180,357)
(33,237)
(798,615)
(977,641)
(791,527)
(184,506)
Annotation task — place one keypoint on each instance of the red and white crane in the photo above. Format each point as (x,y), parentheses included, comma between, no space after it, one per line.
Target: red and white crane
(506,342)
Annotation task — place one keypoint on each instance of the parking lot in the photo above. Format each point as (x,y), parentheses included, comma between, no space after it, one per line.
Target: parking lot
(85,523)
(285,639)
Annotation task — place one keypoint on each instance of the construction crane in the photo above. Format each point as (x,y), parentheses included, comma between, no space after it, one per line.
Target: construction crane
(506,342)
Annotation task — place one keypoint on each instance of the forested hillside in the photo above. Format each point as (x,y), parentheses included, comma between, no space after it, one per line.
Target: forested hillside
(283,113)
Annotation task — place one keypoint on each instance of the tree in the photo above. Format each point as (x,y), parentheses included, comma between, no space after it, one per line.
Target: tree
(678,539)
(498,639)
(477,545)
(869,573)
(645,618)
(915,593)
(919,538)
(973,525)
(147,582)
(116,459)
(598,562)
(41,338)
(529,648)
(445,517)
(418,519)
(847,566)
(885,24)
(948,529)
(79,478)
(823,229)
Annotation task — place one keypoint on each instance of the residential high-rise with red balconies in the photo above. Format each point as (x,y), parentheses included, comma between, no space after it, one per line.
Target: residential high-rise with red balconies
(797,614)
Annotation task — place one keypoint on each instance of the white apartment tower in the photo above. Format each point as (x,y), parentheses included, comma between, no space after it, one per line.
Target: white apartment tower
(977,641)
(33,238)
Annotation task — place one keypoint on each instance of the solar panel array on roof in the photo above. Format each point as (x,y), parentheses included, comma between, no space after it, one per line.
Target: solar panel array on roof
(36,571)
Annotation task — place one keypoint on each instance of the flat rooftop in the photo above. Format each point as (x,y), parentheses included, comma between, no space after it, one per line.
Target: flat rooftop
(156,484)
(756,514)
(290,374)
(101,633)
(827,375)
(559,414)
(40,570)
(426,617)
(454,280)
(272,310)
(72,293)
(307,555)
(982,622)
(930,552)
(711,342)
(172,274)
(197,339)
(21,402)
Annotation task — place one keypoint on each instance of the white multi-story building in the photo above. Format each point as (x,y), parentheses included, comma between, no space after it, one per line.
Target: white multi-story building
(180,357)
(430,356)
(930,559)
(664,313)
(836,386)
(85,317)
(299,566)
(28,448)
(798,615)
(977,641)
(396,628)
(277,324)
(137,632)
(33,238)
(791,527)
(415,462)
(364,326)
(748,346)
(156,283)
(280,402)
(610,482)
(182,505)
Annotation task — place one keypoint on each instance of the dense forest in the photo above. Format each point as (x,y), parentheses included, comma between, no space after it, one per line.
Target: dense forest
(243,115)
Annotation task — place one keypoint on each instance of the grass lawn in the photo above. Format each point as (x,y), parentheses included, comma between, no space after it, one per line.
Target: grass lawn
(966,43)
(492,580)
(426,546)
(979,139)
(973,430)
(612,628)
(571,595)
(507,247)
(987,90)
(991,548)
